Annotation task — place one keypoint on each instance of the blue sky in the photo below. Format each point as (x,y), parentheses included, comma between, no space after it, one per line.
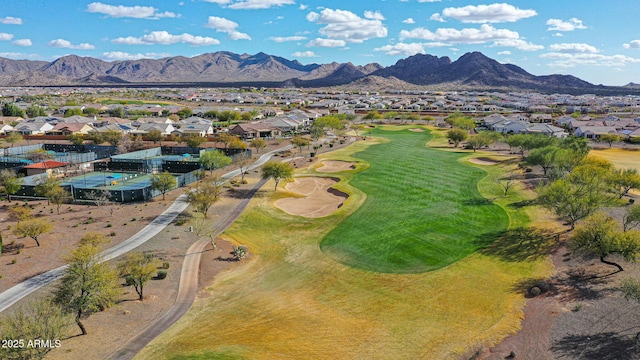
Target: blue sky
(596,40)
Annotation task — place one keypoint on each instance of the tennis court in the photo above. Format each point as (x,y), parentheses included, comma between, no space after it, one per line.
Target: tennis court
(110,180)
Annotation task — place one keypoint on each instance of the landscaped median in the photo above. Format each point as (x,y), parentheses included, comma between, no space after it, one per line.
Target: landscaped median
(362,282)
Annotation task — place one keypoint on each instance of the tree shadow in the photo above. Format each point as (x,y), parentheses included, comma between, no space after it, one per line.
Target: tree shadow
(521,204)
(477,202)
(603,346)
(582,284)
(524,286)
(523,244)
(237,193)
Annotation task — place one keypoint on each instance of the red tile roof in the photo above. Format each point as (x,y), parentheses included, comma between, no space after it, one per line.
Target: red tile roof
(49,164)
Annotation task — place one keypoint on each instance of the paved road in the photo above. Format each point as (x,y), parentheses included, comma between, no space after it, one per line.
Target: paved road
(17,292)
(188,286)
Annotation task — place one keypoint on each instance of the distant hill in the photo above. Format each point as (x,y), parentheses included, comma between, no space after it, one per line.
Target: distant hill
(471,71)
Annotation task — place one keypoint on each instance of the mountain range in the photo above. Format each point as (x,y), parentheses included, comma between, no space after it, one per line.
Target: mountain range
(471,71)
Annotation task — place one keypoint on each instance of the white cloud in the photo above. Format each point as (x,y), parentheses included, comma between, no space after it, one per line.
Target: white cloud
(137,12)
(409,21)
(119,55)
(303,7)
(374,15)
(345,25)
(507,52)
(561,25)
(566,60)
(23,42)
(18,56)
(66,44)
(226,26)
(331,43)
(634,44)
(304,54)
(494,13)
(574,48)
(164,38)
(10,20)
(5,37)
(281,39)
(485,33)
(252,4)
(519,44)
(402,49)
(437,17)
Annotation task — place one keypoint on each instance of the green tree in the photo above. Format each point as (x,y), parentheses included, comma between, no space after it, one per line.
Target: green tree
(211,114)
(89,285)
(278,171)
(300,142)
(192,140)
(625,180)
(138,268)
(155,135)
(58,195)
(163,182)
(184,113)
(34,111)
(258,144)
(543,157)
(329,122)
(204,195)
(33,228)
(118,112)
(73,112)
(215,159)
(228,116)
(13,138)
(90,111)
(236,143)
(45,186)
(578,195)
(599,235)
(631,217)
(9,183)
(76,139)
(372,115)
(480,140)
(11,109)
(20,213)
(38,319)
(457,136)
(610,138)
(113,137)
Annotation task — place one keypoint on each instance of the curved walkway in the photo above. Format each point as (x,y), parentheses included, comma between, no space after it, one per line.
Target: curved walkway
(17,292)
(187,288)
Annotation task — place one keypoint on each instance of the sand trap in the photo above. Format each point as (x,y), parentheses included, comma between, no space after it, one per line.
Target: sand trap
(330,166)
(319,198)
(416,130)
(483,161)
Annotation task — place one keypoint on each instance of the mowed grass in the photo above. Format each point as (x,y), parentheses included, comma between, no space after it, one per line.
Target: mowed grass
(423,209)
(290,301)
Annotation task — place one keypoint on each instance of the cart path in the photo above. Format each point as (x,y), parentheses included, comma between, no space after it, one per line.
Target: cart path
(188,285)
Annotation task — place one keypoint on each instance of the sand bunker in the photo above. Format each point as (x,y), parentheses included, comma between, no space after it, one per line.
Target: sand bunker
(319,198)
(330,166)
(483,161)
(416,130)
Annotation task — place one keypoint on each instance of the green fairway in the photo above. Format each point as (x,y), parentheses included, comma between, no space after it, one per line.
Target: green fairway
(423,209)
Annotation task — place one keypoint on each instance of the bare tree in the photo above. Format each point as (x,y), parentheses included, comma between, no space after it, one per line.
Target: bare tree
(102,199)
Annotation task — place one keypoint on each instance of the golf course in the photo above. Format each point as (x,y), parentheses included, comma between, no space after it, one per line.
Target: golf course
(407,267)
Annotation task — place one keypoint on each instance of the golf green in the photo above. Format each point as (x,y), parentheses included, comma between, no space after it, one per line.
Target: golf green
(423,209)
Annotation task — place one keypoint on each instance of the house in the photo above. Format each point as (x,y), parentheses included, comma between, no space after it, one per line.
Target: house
(540,118)
(547,129)
(594,132)
(255,130)
(152,120)
(511,127)
(5,128)
(165,129)
(68,129)
(111,127)
(194,120)
(10,119)
(195,129)
(32,128)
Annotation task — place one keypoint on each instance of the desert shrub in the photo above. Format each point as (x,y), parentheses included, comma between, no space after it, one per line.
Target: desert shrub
(535,291)
(113,233)
(161,274)
(109,225)
(165,265)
